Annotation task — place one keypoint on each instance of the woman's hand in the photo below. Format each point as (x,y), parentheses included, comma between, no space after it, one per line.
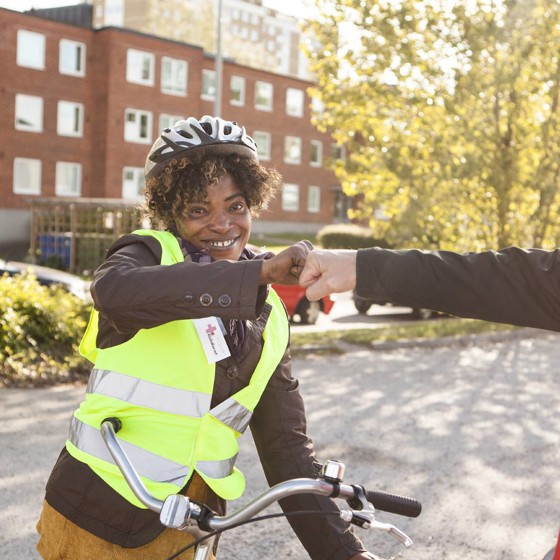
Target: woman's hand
(286,266)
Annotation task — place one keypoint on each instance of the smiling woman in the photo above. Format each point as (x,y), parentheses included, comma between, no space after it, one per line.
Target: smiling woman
(177,342)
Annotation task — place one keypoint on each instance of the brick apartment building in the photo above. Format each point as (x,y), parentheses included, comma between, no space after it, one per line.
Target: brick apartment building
(81,107)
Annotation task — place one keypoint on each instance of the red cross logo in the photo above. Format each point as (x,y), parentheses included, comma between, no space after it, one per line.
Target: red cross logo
(211,330)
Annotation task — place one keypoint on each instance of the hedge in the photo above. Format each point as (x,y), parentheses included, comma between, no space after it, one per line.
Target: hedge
(40,330)
(348,236)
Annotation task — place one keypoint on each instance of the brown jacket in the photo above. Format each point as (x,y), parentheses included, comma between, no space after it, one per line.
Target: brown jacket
(132,291)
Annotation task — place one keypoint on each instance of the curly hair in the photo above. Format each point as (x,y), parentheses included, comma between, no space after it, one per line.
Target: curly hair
(186,180)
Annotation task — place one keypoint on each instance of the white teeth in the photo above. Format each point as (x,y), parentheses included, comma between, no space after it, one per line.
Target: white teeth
(221,244)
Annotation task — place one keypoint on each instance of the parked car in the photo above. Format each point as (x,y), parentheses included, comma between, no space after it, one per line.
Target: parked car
(300,309)
(47,276)
(363,305)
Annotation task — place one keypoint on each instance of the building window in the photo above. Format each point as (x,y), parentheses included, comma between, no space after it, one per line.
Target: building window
(29,113)
(208,85)
(316,155)
(114,13)
(342,204)
(292,149)
(174,74)
(140,67)
(27,176)
(138,126)
(71,58)
(68,179)
(314,199)
(70,119)
(263,96)
(133,183)
(294,102)
(167,121)
(338,152)
(237,88)
(290,198)
(262,139)
(30,49)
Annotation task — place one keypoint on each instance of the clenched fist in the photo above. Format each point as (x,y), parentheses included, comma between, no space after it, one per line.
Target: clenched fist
(286,266)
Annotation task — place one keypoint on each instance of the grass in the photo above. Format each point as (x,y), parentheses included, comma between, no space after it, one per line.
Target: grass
(420,330)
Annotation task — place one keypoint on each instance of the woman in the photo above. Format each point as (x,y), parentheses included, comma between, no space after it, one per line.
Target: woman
(189,346)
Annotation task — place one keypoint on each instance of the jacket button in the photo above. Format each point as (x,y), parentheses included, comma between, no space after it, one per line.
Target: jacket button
(232,372)
(189,299)
(206,299)
(225,300)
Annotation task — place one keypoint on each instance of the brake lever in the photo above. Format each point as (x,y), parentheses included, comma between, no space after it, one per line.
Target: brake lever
(362,514)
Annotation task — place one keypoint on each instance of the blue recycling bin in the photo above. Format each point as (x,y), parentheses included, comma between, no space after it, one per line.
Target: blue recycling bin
(59,246)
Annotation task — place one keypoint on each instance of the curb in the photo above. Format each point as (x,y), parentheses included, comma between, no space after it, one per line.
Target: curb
(340,347)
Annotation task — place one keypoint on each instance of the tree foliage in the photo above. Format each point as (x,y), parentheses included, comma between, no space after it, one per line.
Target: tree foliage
(449,114)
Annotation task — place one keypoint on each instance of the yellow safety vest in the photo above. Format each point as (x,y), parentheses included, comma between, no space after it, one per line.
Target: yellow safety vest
(160,384)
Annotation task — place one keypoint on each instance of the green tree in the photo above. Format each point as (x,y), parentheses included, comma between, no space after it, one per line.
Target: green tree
(449,113)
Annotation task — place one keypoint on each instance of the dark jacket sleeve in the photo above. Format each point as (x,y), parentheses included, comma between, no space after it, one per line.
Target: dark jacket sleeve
(131,290)
(514,286)
(279,431)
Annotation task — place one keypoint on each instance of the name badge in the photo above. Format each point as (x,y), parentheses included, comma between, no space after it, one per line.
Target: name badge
(212,339)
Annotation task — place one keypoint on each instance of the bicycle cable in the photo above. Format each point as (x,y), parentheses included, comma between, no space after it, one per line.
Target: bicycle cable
(247,521)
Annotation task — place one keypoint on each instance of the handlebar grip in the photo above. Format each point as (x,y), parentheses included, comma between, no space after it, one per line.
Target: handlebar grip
(400,505)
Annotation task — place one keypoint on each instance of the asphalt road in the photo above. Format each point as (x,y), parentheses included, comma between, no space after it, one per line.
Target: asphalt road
(472,431)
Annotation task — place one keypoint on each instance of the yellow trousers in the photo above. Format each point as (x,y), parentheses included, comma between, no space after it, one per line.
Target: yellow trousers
(60,539)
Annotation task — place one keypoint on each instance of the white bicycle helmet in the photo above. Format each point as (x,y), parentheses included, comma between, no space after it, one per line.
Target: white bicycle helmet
(211,134)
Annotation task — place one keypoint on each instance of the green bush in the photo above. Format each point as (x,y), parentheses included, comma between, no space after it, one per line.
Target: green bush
(40,330)
(348,236)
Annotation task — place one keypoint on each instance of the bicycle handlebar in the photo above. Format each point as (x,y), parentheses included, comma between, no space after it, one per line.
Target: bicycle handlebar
(178,512)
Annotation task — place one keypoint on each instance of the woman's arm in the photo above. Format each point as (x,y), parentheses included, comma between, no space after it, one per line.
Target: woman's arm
(279,431)
(132,290)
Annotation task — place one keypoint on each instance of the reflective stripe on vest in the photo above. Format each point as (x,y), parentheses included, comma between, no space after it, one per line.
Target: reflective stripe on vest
(147,464)
(144,393)
(232,414)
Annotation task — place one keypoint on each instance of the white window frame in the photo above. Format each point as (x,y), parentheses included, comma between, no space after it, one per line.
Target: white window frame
(176,84)
(314,199)
(338,152)
(208,75)
(30,49)
(132,132)
(76,110)
(167,121)
(290,197)
(26,105)
(65,170)
(71,58)
(133,184)
(264,144)
(260,88)
(241,89)
(34,186)
(319,161)
(295,99)
(135,60)
(292,150)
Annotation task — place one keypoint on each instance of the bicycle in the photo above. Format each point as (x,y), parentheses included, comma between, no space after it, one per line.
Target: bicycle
(178,512)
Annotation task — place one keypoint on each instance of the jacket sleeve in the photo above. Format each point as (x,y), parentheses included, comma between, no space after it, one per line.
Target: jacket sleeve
(132,291)
(279,431)
(514,286)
